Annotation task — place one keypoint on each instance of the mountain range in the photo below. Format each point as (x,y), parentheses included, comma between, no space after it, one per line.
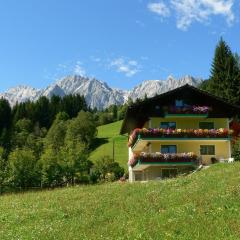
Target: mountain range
(97,93)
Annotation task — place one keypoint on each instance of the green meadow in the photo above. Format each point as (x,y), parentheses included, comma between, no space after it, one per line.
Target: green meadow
(110,143)
(204,205)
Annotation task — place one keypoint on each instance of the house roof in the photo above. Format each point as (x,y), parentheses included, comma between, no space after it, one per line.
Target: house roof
(138,113)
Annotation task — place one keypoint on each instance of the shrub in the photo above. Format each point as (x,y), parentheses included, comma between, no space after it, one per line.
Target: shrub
(106,169)
(23,169)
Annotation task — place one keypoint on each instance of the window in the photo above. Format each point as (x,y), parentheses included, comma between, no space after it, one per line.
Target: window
(206,125)
(166,125)
(168,149)
(168,173)
(207,150)
(179,103)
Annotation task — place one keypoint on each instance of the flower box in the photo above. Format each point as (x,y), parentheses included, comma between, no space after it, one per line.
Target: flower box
(163,158)
(187,110)
(177,133)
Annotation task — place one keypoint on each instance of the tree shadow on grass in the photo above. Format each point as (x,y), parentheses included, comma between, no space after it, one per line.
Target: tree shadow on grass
(98,142)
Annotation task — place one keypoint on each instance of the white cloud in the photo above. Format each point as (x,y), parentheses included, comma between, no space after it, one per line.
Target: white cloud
(140,23)
(128,67)
(62,66)
(189,11)
(159,8)
(79,70)
(95,59)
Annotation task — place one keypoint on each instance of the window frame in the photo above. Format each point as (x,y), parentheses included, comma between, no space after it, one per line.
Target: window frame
(208,153)
(168,145)
(179,103)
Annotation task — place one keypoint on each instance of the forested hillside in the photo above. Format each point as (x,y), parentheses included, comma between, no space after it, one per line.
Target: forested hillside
(47,143)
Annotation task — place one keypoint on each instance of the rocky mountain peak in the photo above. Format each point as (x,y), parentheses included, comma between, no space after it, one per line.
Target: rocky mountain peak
(97,93)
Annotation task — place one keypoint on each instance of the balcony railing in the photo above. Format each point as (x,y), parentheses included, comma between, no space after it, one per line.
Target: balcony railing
(160,133)
(187,109)
(160,158)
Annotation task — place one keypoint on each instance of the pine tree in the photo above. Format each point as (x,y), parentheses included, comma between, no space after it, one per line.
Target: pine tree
(225,74)
(220,68)
(5,113)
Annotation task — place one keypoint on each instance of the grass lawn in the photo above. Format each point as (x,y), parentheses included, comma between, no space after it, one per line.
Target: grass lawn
(205,205)
(108,135)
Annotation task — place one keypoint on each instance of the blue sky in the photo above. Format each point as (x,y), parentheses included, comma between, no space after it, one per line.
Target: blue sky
(122,42)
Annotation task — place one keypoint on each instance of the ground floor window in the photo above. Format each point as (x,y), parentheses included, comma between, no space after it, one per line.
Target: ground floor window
(138,176)
(169,172)
(168,149)
(207,149)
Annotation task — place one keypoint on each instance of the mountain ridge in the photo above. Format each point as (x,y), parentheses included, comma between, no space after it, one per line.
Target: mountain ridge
(98,94)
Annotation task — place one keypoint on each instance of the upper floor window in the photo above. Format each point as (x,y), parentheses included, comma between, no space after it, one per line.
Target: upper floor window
(168,149)
(179,103)
(206,125)
(207,149)
(168,125)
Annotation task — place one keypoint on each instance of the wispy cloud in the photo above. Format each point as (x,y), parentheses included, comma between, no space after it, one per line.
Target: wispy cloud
(189,11)
(123,65)
(66,68)
(78,69)
(95,59)
(159,8)
(140,23)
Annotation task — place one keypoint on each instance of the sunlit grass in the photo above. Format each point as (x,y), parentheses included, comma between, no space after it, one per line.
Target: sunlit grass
(109,138)
(201,206)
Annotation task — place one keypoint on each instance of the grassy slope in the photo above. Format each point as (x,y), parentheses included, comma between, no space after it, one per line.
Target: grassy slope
(201,206)
(106,134)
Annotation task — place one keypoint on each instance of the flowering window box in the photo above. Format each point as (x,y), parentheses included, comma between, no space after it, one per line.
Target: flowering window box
(153,158)
(201,111)
(158,133)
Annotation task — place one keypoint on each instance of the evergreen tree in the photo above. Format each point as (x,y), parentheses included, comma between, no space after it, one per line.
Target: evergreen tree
(55,107)
(5,113)
(219,70)
(42,112)
(114,112)
(73,104)
(225,74)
